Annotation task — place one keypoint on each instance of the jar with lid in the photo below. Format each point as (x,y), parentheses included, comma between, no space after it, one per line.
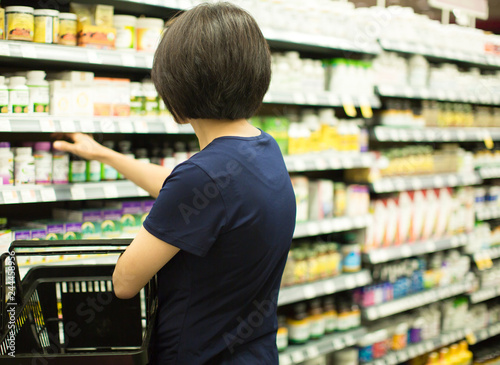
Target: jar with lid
(125,31)
(19,95)
(67,29)
(316,319)
(148,33)
(19,23)
(344,315)
(299,330)
(282,334)
(352,257)
(46,26)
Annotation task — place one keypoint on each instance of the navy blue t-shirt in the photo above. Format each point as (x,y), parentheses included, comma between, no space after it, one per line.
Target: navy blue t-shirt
(231,210)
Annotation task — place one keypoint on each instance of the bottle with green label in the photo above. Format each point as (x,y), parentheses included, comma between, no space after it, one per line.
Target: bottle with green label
(93,170)
(136,99)
(39,92)
(125,148)
(4,96)
(19,95)
(108,173)
(77,169)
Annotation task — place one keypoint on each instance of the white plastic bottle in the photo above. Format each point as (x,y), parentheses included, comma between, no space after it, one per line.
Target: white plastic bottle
(43,163)
(60,167)
(4,96)
(6,164)
(24,166)
(19,95)
(39,98)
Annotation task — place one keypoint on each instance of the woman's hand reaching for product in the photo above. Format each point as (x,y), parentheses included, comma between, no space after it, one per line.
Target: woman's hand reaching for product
(84,146)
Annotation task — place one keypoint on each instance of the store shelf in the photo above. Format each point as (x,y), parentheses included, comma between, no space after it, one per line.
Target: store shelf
(421,348)
(414,249)
(297,354)
(413,301)
(485,213)
(320,99)
(49,124)
(408,92)
(451,134)
(431,181)
(330,225)
(492,253)
(484,294)
(488,332)
(66,192)
(489,172)
(337,284)
(438,52)
(328,160)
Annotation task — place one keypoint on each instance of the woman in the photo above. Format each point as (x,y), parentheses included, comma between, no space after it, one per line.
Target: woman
(219,232)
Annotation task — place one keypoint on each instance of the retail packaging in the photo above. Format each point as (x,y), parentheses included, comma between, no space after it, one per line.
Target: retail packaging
(125,31)
(301,188)
(6,164)
(39,92)
(90,220)
(82,92)
(60,167)
(111,224)
(93,171)
(131,219)
(77,169)
(103,101)
(61,98)
(43,163)
(418,213)
(94,26)
(391,233)
(432,211)
(148,33)
(121,97)
(24,166)
(19,95)
(19,23)
(320,199)
(67,29)
(73,231)
(46,26)
(2,25)
(445,210)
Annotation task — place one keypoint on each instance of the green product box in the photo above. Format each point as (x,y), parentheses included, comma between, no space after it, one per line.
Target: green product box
(111,225)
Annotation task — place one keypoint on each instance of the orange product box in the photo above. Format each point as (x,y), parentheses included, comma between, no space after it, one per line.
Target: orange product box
(103,96)
(121,97)
(94,36)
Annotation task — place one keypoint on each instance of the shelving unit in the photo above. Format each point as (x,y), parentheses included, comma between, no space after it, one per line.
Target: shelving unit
(320,99)
(328,160)
(431,134)
(432,181)
(484,294)
(386,254)
(336,284)
(414,301)
(296,354)
(489,172)
(486,213)
(330,225)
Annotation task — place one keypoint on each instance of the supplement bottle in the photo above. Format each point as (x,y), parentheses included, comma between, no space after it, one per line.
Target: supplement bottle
(19,95)
(2,22)
(151,105)
(316,319)
(136,99)
(125,31)
(108,173)
(141,154)
(330,315)
(282,334)
(46,26)
(67,29)
(168,159)
(60,167)
(19,23)
(39,93)
(299,330)
(6,164)
(43,163)
(24,166)
(93,170)
(4,96)
(125,148)
(77,169)
(181,153)
(148,33)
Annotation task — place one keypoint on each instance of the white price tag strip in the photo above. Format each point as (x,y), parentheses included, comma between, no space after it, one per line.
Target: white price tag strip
(141,126)
(28,196)
(309,292)
(28,51)
(10,197)
(329,287)
(129,60)
(312,352)
(93,57)
(107,126)
(110,191)
(67,125)
(4,49)
(47,125)
(78,193)
(87,125)
(48,194)
(125,126)
(5,125)
(297,357)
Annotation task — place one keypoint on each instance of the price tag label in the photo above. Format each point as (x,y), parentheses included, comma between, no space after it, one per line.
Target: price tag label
(141,126)
(470,337)
(107,126)
(5,125)
(297,357)
(87,126)
(312,99)
(110,191)
(28,51)
(28,196)
(329,287)
(312,229)
(125,126)
(10,197)
(350,282)
(67,125)
(348,105)
(441,94)
(48,194)
(129,60)
(400,184)
(347,162)
(47,125)
(299,164)
(93,57)
(438,181)
(312,352)
(406,251)
(416,184)
(78,193)
(4,49)
(338,344)
(268,98)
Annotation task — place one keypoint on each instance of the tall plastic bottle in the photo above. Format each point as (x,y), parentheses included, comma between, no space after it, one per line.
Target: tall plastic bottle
(6,164)
(108,173)
(19,95)
(43,163)
(4,96)
(39,92)
(24,166)
(60,167)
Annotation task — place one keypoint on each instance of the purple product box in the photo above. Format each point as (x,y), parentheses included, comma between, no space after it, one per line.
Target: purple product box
(73,227)
(92,216)
(22,235)
(38,234)
(112,214)
(131,207)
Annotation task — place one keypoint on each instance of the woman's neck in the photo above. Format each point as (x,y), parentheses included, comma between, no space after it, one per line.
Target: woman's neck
(209,129)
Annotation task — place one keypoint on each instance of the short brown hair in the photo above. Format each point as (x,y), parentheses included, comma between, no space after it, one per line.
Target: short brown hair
(212,63)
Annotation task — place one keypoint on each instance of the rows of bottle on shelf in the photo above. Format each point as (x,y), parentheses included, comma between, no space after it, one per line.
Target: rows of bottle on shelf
(426,113)
(426,323)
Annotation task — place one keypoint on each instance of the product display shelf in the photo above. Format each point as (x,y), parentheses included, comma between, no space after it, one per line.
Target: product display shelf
(421,348)
(484,294)
(485,333)
(318,288)
(431,181)
(439,53)
(492,253)
(133,124)
(328,160)
(485,213)
(431,134)
(330,225)
(489,172)
(66,192)
(415,249)
(296,354)
(414,301)
(480,96)
(320,99)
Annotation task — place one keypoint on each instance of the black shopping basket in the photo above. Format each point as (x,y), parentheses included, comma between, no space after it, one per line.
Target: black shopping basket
(68,314)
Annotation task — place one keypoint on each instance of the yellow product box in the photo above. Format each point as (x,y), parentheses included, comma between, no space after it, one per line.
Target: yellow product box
(95,36)
(2,22)
(103,15)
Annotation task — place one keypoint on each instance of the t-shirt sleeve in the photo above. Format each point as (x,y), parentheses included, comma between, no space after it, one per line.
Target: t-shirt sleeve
(189,212)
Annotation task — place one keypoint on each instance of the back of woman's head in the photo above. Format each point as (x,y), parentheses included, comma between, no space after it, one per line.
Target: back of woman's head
(212,63)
